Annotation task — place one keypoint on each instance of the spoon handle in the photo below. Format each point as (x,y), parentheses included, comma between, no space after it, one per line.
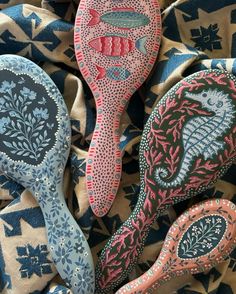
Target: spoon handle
(103,168)
(69,249)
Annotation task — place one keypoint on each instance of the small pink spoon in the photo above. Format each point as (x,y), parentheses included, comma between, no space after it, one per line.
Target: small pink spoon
(199,239)
(116,46)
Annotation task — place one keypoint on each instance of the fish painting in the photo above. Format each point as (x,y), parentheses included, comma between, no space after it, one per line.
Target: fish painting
(117,45)
(123,18)
(115,73)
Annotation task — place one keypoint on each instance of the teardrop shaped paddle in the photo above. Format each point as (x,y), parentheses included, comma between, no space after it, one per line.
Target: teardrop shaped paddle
(188,142)
(34,147)
(116,45)
(199,239)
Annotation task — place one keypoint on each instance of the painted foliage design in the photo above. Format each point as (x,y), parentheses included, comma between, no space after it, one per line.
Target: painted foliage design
(26,127)
(170,134)
(202,236)
(214,238)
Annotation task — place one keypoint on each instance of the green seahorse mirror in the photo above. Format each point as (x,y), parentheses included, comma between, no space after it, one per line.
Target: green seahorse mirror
(34,147)
(189,141)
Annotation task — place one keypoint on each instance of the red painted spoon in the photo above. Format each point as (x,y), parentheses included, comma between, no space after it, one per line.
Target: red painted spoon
(199,239)
(116,46)
(188,142)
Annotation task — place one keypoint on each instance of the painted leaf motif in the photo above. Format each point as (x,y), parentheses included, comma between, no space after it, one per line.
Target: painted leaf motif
(23,121)
(202,237)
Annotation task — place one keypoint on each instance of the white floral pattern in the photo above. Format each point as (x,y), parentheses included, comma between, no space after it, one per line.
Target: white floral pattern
(25,128)
(203,235)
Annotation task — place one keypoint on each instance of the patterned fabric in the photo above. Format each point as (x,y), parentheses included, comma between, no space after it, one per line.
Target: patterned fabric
(197,34)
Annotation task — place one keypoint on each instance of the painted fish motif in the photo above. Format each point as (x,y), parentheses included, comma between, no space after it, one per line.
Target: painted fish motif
(123,18)
(115,73)
(117,46)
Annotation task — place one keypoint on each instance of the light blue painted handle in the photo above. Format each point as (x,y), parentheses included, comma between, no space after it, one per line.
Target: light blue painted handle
(69,248)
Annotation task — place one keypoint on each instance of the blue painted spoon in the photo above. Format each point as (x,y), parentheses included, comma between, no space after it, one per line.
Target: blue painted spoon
(34,147)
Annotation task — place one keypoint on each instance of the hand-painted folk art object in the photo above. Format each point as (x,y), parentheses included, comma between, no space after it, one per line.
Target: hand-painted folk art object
(199,239)
(188,142)
(116,45)
(34,147)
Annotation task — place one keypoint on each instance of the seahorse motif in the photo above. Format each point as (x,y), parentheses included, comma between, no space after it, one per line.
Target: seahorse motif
(201,135)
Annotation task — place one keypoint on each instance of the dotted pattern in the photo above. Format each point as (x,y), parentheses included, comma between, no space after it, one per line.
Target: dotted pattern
(130,238)
(160,273)
(104,159)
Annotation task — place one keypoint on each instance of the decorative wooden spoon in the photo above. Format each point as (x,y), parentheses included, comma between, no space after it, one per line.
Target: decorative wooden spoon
(34,147)
(116,46)
(188,142)
(199,239)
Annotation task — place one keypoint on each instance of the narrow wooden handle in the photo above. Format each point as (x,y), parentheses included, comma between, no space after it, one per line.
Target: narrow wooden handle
(69,249)
(103,168)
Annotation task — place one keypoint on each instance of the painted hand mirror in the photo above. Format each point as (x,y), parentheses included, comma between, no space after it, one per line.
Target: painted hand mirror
(198,240)
(34,147)
(116,46)
(188,142)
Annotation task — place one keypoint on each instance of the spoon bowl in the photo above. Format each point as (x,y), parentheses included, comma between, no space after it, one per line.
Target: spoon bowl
(199,239)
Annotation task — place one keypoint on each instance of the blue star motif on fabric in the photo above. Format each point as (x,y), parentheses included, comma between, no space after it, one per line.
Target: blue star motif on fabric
(33,261)
(78,167)
(70,52)
(206,38)
(38,43)
(132,192)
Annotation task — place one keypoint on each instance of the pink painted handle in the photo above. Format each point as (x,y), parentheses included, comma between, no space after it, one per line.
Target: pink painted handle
(199,239)
(116,47)
(104,158)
